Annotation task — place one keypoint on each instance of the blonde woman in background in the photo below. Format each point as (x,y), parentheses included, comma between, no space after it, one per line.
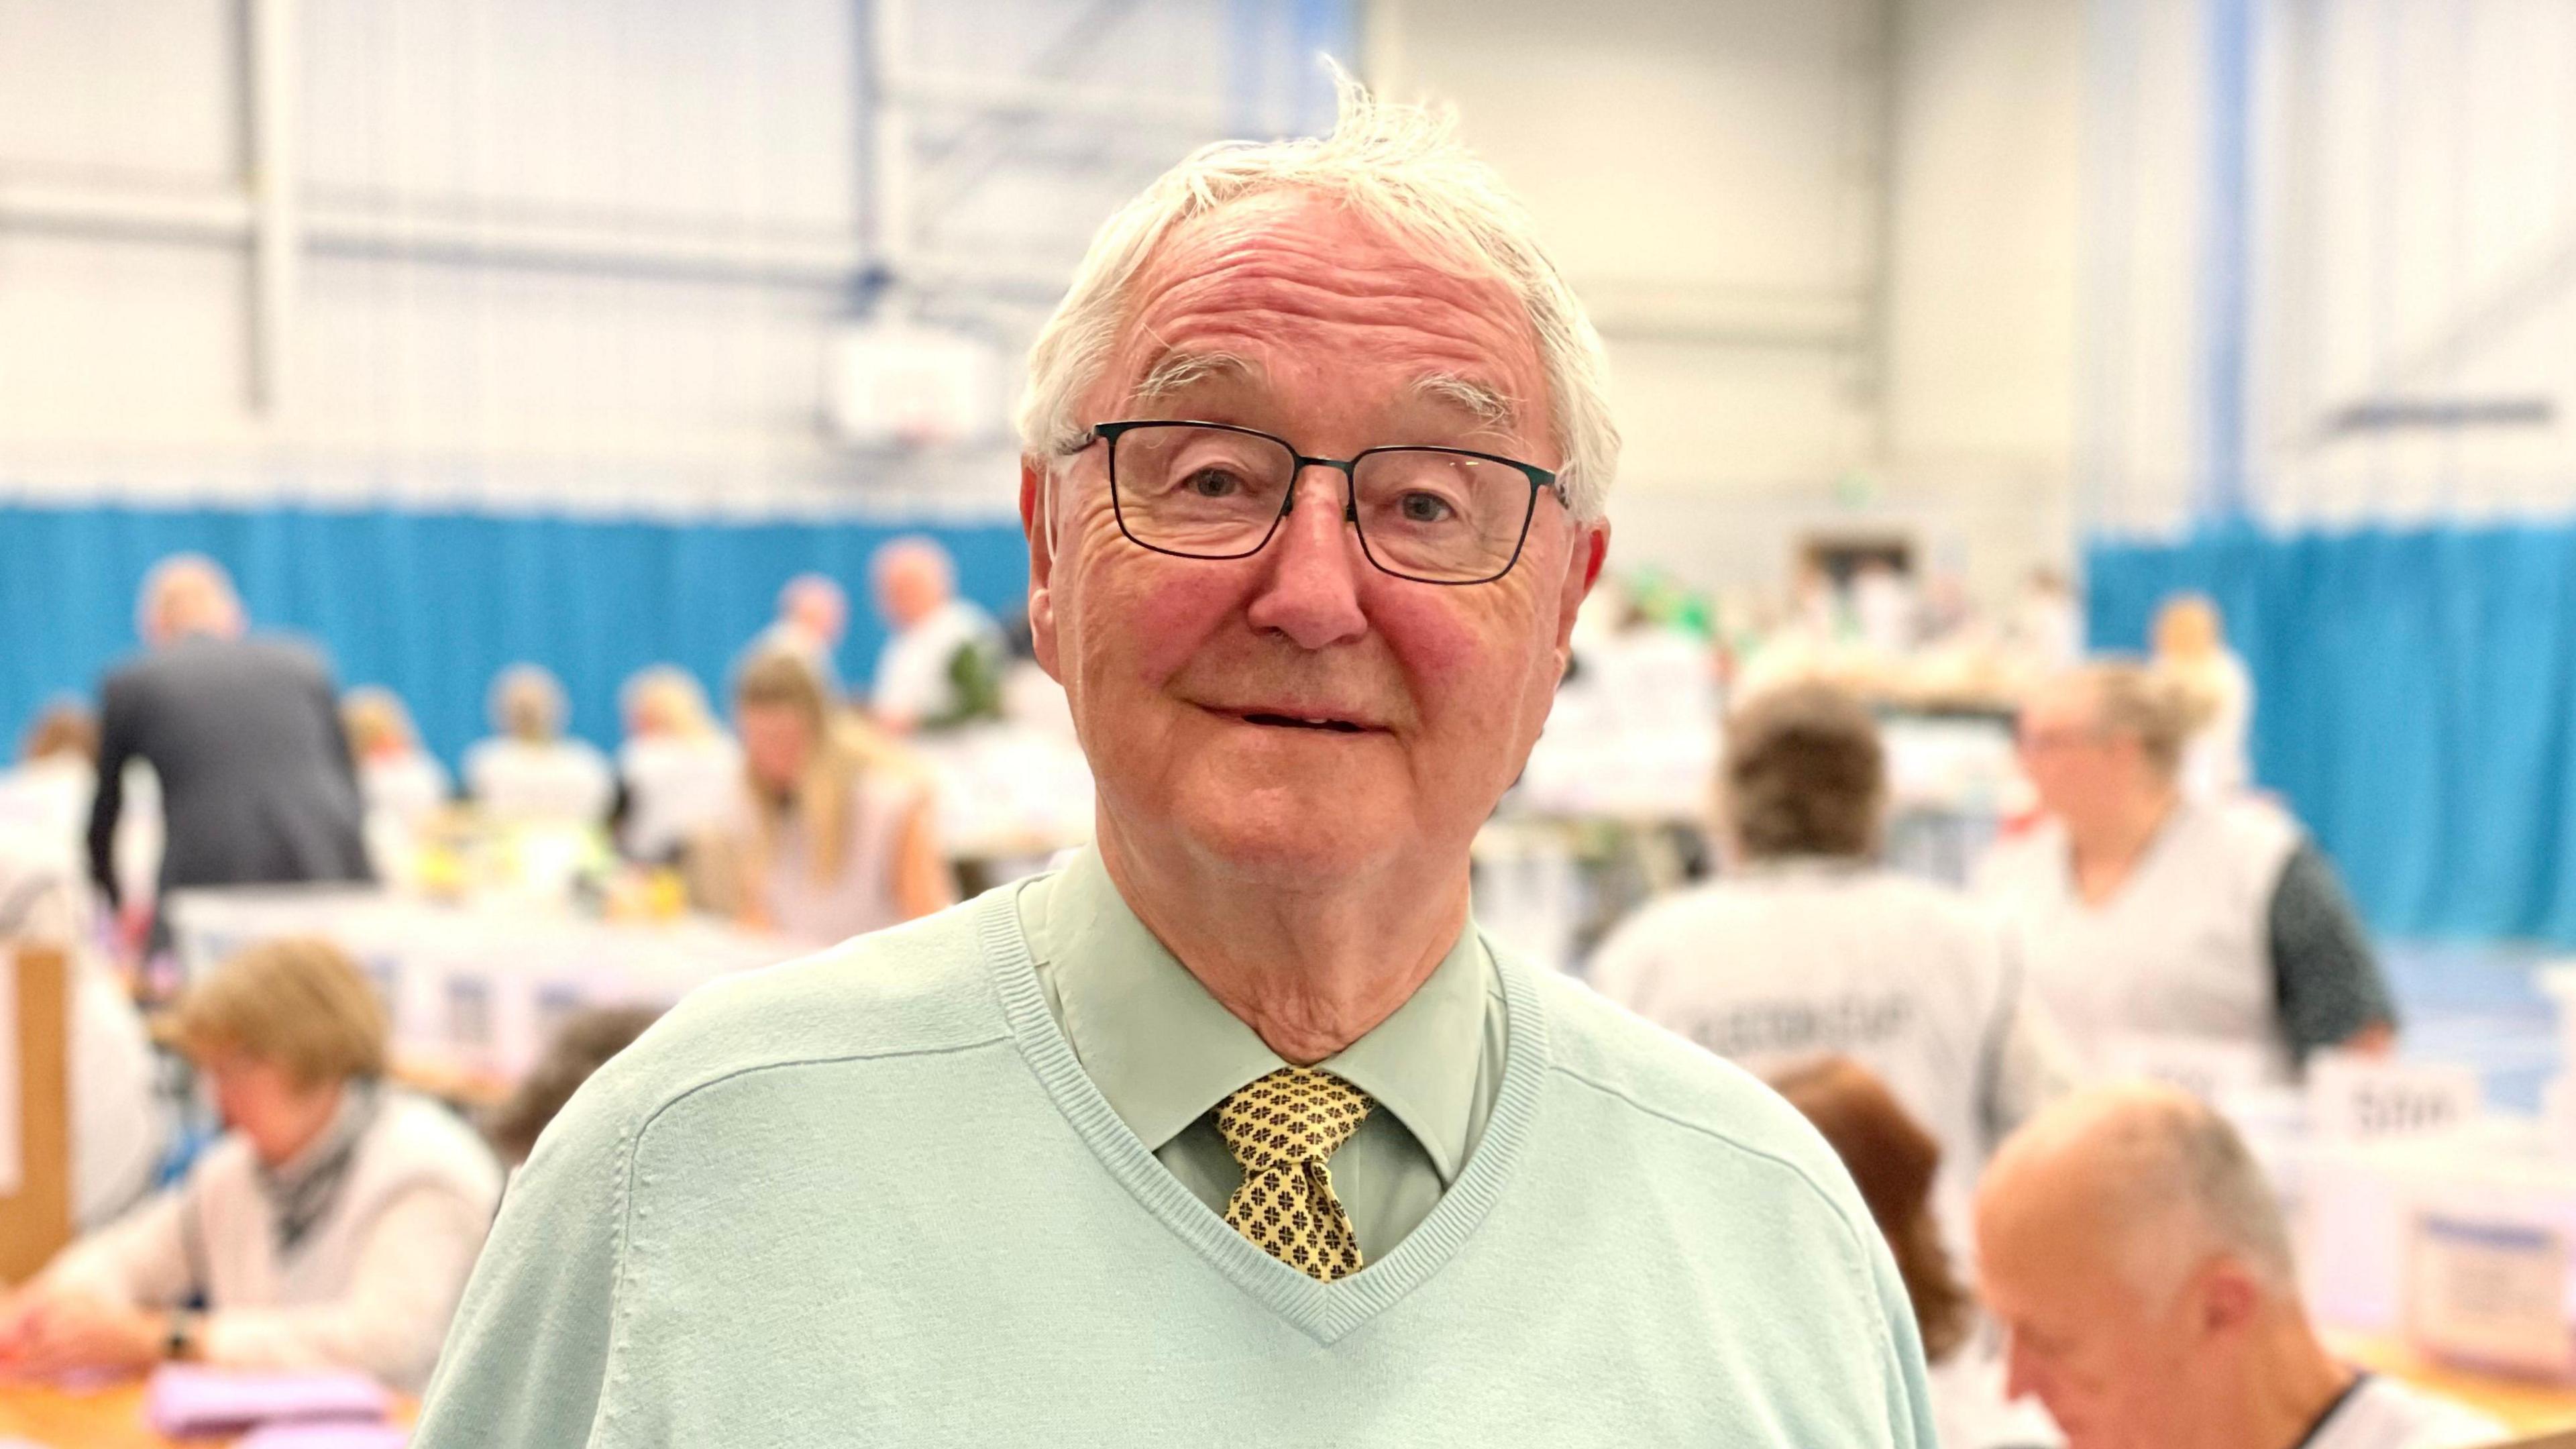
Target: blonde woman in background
(836,834)
(401,781)
(678,771)
(531,771)
(332,1226)
(2142,909)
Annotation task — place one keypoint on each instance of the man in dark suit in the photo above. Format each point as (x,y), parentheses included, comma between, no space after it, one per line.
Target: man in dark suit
(256,781)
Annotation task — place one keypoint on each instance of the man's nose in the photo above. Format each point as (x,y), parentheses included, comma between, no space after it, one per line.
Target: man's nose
(1313,568)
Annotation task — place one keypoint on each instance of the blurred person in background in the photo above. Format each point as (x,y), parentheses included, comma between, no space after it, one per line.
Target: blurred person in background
(117,1127)
(2140,1265)
(1894,1162)
(2191,649)
(332,1226)
(531,770)
(1811,948)
(580,1046)
(2141,910)
(257,782)
(45,797)
(813,617)
(678,772)
(942,661)
(834,837)
(400,780)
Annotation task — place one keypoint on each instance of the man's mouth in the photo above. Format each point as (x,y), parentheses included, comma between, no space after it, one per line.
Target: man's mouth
(1298,715)
(1293,722)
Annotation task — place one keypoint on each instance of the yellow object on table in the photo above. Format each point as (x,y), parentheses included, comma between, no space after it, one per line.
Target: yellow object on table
(2522,1405)
(108,1417)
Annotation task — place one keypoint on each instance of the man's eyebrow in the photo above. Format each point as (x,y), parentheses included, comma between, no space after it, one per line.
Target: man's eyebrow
(1176,371)
(1490,406)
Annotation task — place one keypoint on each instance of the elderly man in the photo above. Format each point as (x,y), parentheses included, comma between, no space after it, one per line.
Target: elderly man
(2139,1263)
(942,661)
(1236,1129)
(257,783)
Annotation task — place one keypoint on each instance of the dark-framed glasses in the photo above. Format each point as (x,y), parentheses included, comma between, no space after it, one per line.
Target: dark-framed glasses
(1216,491)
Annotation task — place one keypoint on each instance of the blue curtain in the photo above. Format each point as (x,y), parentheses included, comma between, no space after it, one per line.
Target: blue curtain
(2415,701)
(434,604)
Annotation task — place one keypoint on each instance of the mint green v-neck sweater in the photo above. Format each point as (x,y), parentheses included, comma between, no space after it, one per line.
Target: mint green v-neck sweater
(871,1198)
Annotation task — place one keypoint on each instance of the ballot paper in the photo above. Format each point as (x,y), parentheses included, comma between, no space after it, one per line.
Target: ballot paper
(185,1400)
(2490,1292)
(324,1436)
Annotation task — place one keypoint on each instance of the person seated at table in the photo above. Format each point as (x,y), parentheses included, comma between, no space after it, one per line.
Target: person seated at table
(2143,911)
(580,1046)
(401,781)
(530,771)
(2141,1268)
(678,771)
(833,836)
(1812,948)
(332,1226)
(1893,1159)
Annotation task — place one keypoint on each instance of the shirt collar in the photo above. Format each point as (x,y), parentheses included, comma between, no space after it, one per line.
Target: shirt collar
(1164,1052)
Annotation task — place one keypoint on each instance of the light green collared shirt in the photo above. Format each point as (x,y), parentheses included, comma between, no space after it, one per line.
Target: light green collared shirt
(1165,1053)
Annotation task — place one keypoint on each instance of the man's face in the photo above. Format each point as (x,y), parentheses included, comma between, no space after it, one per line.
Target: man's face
(2113,1368)
(1182,673)
(911,588)
(820,611)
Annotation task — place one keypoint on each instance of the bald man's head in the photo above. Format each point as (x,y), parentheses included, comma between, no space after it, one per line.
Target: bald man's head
(2148,1169)
(815,604)
(2129,1243)
(187,594)
(914,576)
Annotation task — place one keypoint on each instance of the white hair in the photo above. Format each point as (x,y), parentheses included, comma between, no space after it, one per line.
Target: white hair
(2184,1186)
(672,694)
(186,593)
(1397,165)
(528,702)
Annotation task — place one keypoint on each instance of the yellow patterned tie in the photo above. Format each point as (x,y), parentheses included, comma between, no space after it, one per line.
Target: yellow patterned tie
(1281,1128)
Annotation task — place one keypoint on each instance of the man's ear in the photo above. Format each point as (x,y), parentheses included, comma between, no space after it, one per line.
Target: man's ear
(2228,1297)
(1037,522)
(1582,570)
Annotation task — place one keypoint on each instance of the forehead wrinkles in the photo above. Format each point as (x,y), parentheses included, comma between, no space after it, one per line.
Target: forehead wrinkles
(1235,281)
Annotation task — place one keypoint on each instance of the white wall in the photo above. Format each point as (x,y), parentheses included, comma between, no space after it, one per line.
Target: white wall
(2413,239)
(1708,173)
(555,252)
(1982,325)
(1831,246)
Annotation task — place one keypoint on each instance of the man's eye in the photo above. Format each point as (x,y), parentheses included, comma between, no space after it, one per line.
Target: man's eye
(1213,483)
(1424,508)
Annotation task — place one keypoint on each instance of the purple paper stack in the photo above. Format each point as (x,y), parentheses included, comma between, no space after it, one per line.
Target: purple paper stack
(186,1401)
(326,1436)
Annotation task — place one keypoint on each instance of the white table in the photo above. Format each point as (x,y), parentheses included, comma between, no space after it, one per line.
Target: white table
(476,988)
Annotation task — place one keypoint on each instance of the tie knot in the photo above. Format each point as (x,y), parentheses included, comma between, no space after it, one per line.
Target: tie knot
(1295,1114)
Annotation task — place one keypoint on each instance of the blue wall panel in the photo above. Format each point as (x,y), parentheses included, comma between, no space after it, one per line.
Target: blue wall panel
(434,604)
(2415,703)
